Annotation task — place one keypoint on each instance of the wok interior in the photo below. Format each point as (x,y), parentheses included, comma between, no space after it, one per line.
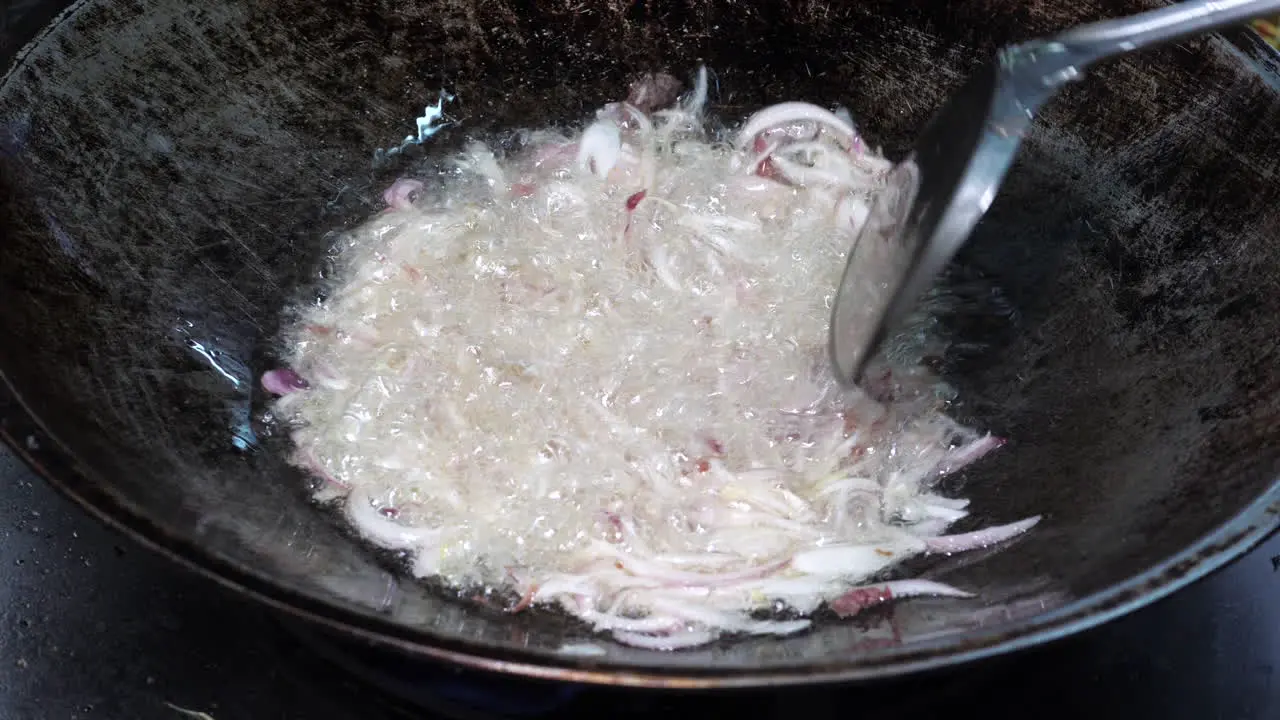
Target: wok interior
(170,172)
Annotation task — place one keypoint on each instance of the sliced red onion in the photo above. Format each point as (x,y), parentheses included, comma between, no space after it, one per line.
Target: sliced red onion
(693,611)
(634,200)
(979,538)
(689,599)
(670,576)
(803,175)
(858,147)
(308,460)
(852,212)
(401,193)
(652,91)
(862,597)
(621,112)
(555,155)
(793,112)
(945,513)
(600,147)
(695,99)
(776,627)
(946,502)
(859,599)
(563,585)
(851,560)
(700,559)
(932,527)
(325,376)
(759,164)
(674,641)
(283,381)
(802,131)
(384,531)
(968,453)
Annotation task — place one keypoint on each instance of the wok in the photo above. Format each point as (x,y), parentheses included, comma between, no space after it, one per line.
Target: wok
(171,174)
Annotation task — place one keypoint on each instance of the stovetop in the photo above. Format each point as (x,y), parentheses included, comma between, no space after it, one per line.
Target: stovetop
(92,626)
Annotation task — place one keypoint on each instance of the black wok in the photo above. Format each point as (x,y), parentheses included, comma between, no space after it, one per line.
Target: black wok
(169,172)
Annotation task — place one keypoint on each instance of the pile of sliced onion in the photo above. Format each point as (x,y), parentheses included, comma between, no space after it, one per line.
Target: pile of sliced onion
(593,374)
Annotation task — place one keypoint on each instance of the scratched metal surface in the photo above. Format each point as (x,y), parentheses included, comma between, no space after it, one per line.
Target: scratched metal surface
(168,172)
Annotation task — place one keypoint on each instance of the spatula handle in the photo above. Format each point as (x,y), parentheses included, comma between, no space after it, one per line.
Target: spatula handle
(1107,38)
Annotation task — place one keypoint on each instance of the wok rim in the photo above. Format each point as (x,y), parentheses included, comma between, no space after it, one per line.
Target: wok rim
(22,430)
(1230,541)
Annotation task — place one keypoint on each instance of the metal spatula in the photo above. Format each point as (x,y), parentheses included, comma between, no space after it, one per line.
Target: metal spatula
(939,193)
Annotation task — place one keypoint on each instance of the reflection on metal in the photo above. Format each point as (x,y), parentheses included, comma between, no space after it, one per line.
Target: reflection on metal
(233,370)
(427,127)
(881,255)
